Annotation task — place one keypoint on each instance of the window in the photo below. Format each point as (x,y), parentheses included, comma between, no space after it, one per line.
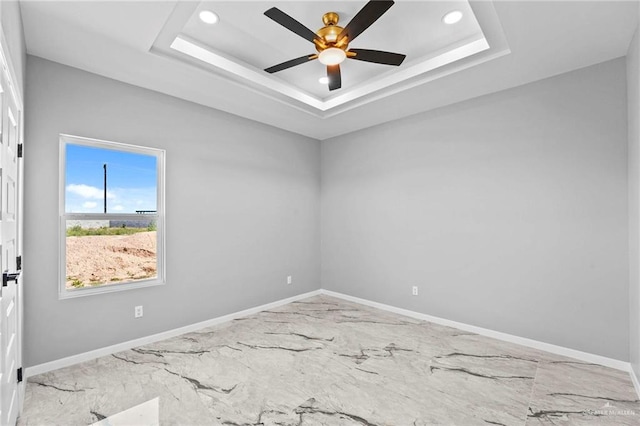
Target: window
(111,216)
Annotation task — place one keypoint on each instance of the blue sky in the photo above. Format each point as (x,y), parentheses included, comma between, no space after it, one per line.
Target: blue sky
(131,180)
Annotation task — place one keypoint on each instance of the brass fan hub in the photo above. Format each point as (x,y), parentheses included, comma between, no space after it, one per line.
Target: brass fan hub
(329,33)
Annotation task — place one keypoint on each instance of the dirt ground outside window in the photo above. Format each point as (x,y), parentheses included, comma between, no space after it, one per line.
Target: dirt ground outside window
(110,259)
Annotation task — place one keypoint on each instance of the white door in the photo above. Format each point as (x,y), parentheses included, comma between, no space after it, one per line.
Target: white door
(10,310)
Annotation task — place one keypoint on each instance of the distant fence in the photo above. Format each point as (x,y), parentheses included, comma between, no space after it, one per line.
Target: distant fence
(138,223)
(88,224)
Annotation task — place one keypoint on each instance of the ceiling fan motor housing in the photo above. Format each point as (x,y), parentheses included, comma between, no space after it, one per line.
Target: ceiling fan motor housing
(329,33)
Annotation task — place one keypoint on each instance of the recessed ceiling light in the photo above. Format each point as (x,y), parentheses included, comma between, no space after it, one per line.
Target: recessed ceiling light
(208,17)
(452,17)
(323,80)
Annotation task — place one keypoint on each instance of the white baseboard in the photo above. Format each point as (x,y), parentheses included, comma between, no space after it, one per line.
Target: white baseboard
(634,379)
(559,350)
(97,353)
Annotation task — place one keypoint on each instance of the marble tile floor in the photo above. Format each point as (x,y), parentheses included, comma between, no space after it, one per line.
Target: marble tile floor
(325,361)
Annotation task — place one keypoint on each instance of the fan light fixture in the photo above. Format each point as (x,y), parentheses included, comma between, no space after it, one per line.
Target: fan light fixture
(208,17)
(452,17)
(332,56)
(323,80)
(332,41)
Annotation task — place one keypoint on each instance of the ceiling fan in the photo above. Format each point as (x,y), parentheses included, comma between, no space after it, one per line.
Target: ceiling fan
(332,41)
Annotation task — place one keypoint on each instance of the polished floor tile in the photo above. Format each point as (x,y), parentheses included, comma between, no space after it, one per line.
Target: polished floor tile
(325,361)
(581,393)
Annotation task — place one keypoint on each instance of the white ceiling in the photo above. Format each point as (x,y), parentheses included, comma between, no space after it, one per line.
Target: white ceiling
(499,45)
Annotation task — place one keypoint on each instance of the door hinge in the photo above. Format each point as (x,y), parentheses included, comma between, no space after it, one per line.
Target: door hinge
(19,263)
(19,374)
(20,150)
(6,277)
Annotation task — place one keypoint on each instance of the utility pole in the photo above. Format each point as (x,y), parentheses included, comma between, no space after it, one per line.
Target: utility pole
(105,187)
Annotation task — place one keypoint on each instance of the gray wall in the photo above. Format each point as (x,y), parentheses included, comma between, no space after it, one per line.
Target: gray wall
(633,99)
(242,211)
(508,211)
(11,21)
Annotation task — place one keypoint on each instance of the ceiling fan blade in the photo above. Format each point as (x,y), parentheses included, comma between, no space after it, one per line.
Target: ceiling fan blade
(335,80)
(291,24)
(378,56)
(364,18)
(291,63)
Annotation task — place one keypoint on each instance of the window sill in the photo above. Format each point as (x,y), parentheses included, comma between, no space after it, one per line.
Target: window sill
(109,288)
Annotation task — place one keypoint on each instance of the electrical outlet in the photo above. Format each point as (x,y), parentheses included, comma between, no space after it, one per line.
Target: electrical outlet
(289,280)
(415,290)
(137,312)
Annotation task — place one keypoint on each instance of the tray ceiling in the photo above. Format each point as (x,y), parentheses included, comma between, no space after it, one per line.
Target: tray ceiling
(163,46)
(245,41)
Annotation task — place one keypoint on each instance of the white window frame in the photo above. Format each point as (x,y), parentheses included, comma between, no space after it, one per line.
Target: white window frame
(63,292)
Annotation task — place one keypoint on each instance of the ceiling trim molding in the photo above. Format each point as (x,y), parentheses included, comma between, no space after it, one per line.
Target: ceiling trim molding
(192,48)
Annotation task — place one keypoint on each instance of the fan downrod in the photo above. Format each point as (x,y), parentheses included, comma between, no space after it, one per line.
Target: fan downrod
(330,18)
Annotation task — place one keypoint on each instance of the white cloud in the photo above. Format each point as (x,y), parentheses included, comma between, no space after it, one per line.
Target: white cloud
(86,191)
(81,198)
(132,199)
